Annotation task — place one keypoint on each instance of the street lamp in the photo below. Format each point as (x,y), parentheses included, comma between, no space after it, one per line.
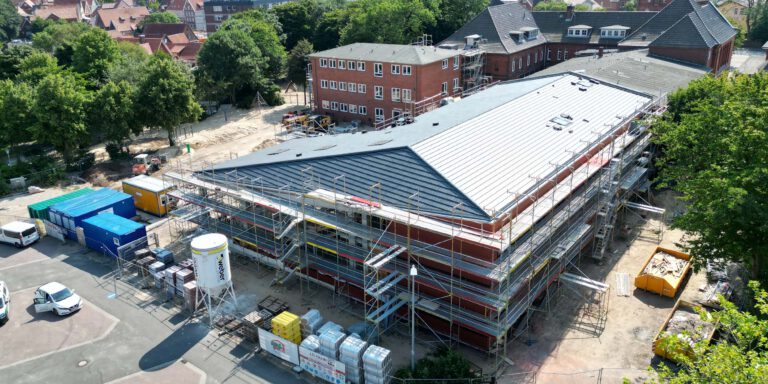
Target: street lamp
(414,273)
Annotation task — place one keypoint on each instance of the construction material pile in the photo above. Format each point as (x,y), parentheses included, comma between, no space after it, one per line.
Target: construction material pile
(664,264)
(288,326)
(311,322)
(330,342)
(377,364)
(311,343)
(351,354)
(688,325)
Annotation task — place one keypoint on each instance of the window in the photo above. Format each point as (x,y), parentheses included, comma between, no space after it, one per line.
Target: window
(565,54)
(326,104)
(351,65)
(334,106)
(342,86)
(378,92)
(323,63)
(528,62)
(559,54)
(513,65)
(323,83)
(352,107)
(444,88)
(541,54)
(396,113)
(361,88)
(406,94)
(361,66)
(613,33)
(535,57)
(395,94)
(342,64)
(344,107)
(218,17)
(331,63)
(578,32)
(395,69)
(378,69)
(455,83)
(333,84)
(406,70)
(352,87)
(549,54)
(362,109)
(445,63)
(217,8)
(519,63)
(378,113)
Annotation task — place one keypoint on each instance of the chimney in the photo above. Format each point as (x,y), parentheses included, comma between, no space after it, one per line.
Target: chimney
(569,13)
(141,38)
(600,52)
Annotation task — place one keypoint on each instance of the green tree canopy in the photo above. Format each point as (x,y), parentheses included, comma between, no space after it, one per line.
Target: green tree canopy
(389,21)
(160,18)
(715,150)
(10,20)
(58,38)
(59,113)
(112,112)
(444,363)
(263,28)
(16,101)
(130,66)
(558,5)
(297,62)
(298,19)
(328,30)
(740,357)
(93,54)
(36,66)
(165,99)
(453,15)
(10,58)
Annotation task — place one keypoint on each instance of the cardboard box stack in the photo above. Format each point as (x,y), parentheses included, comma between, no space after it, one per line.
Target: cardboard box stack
(183,276)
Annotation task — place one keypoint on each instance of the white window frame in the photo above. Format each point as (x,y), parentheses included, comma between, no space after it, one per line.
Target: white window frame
(217,8)
(397,113)
(352,107)
(324,84)
(455,63)
(344,107)
(406,70)
(395,69)
(528,61)
(332,84)
(342,86)
(331,63)
(362,109)
(559,54)
(378,114)
(378,92)
(455,84)
(565,54)
(323,63)
(513,65)
(395,93)
(351,65)
(407,94)
(549,54)
(334,105)
(352,87)
(444,88)
(535,58)
(326,104)
(342,64)
(361,88)
(520,63)
(445,63)
(378,70)
(361,66)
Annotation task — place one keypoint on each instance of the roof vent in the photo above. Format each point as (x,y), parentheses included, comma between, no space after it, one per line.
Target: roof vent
(435,124)
(644,36)
(380,142)
(298,155)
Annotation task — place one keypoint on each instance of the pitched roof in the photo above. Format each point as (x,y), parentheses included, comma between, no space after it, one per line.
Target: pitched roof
(494,25)
(68,12)
(554,25)
(175,5)
(164,29)
(388,53)
(705,26)
(474,151)
(121,19)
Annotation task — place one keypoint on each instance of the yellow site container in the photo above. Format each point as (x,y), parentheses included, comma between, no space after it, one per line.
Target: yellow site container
(663,285)
(149,194)
(662,351)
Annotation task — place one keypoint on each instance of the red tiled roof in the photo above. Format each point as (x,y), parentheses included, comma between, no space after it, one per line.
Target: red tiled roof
(121,19)
(66,12)
(164,29)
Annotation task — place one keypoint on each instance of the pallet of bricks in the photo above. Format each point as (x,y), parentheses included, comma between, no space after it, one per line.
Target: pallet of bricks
(252,322)
(273,305)
(288,326)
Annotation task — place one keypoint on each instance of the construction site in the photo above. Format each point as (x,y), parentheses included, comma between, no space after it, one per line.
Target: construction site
(490,225)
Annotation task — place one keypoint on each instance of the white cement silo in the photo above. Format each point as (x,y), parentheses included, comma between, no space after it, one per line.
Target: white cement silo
(210,254)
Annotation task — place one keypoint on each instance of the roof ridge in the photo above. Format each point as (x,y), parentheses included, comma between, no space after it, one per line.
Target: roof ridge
(682,19)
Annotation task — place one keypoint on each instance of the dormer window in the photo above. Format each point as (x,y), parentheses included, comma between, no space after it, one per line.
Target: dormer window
(517,36)
(530,33)
(579,31)
(614,32)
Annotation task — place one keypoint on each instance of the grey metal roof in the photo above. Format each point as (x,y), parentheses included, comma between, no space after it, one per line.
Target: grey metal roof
(494,24)
(479,151)
(632,69)
(555,26)
(388,53)
(685,23)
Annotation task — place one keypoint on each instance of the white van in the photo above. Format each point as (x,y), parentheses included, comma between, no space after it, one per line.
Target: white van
(19,233)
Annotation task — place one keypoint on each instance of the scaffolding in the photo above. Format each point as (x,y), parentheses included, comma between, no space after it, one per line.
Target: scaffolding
(473,71)
(362,249)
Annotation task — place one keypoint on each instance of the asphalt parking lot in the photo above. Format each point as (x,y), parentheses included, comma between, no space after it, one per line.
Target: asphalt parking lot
(122,337)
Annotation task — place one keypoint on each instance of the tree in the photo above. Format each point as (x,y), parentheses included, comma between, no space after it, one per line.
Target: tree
(59,113)
(266,32)
(165,98)
(297,62)
(58,39)
(10,20)
(714,154)
(112,114)
(298,19)
(10,58)
(16,101)
(328,30)
(740,36)
(444,363)
(37,66)
(741,357)
(454,14)
(130,66)
(389,21)
(160,18)
(232,61)
(93,54)
(630,5)
(551,5)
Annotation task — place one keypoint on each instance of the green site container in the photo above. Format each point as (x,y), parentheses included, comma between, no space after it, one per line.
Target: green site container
(39,210)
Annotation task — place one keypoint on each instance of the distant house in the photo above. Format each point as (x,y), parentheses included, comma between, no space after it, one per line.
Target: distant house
(169,29)
(735,10)
(191,12)
(120,21)
(176,40)
(217,11)
(65,10)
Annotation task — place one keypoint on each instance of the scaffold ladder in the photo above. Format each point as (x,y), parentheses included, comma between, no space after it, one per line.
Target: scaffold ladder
(608,202)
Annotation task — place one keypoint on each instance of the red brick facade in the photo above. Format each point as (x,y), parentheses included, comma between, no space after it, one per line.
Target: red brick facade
(337,100)
(516,65)
(716,58)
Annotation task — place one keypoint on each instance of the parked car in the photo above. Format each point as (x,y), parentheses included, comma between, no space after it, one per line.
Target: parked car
(57,298)
(19,233)
(5,301)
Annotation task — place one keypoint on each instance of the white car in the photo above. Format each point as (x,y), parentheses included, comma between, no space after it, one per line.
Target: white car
(5,300)
(19,233)
(57,298)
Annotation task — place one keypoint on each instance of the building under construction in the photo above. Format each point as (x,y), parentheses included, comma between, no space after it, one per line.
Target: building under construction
(492,198)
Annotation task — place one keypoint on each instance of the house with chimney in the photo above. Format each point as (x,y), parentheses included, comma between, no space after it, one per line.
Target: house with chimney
(190,12)
(176,40)
(120,21)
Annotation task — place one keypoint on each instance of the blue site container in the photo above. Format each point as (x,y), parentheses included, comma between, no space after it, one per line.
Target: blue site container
(106,232)
(71,213)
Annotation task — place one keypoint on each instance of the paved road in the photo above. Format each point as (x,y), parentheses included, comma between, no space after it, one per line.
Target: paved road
(147,335)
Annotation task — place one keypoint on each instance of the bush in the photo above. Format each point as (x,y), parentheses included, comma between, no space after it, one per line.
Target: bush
(115,152)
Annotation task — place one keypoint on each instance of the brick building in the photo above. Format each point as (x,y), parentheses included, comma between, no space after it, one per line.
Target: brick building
(685,30)
(217,11)
(377,82)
